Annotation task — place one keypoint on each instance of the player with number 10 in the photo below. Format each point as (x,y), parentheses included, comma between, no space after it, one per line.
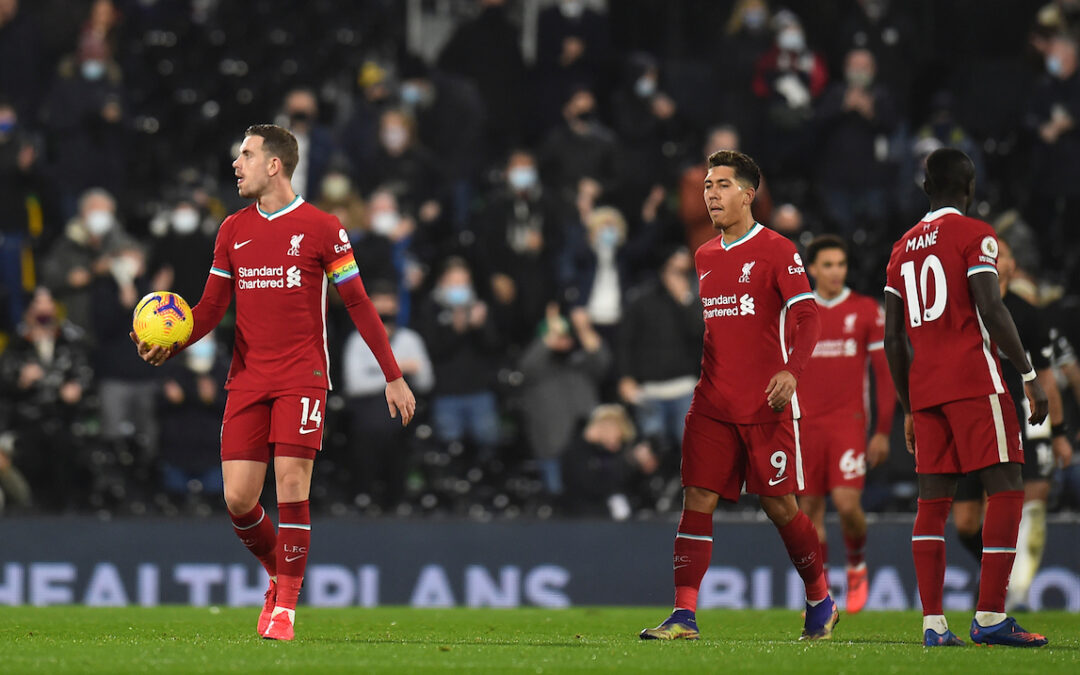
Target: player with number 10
(944,322)
(277,255)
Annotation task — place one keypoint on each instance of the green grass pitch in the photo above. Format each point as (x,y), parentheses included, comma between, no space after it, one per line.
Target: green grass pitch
(401,640)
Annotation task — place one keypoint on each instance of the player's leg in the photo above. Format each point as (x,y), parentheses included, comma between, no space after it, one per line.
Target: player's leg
(1031,537)
(774,472)
(244,456)
(848,502)
(814,508)
(968,506)
(994,450)
(712,468)
(938,468)
(296,432)
(293,477)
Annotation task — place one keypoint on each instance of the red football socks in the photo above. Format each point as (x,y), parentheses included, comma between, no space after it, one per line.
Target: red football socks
(928,551)
(257,533)
(294,537)
(1003,512)
(693,550)
(855,549)
(803,547)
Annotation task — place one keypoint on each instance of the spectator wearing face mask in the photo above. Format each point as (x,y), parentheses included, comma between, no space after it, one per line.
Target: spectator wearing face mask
(647,121)
(20,177)
(573,49)
(578,158)
(856,119)
(316,148)
(177,261)
(463,344)
(787,80)
(84,116)
(522,234)
(45,374)
(378,456)
(191,404)
(563,368)
(887,30)
(92,248)
(404,166)
(1051,119)
(745,38)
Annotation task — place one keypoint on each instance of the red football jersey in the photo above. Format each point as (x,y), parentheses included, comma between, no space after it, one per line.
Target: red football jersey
(954,357)
(834,381)
(746,288)
(278,263)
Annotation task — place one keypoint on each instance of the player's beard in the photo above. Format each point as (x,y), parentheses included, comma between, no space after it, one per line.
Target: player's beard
(248,190)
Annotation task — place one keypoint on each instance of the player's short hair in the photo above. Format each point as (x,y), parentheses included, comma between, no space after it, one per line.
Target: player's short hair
(278,142)
(746,169)
(824,242)
(948,172)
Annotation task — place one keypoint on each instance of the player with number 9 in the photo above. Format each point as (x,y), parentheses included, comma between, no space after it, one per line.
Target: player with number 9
(944,324)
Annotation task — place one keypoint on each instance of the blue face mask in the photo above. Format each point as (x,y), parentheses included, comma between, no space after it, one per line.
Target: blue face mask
(645,87)
(1054,66)
(411,94)
(522,177)
(6,126)
(608,237)
(93,69)
(457,295)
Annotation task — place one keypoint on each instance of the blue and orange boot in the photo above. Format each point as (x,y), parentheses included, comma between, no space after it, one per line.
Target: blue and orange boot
(681,625)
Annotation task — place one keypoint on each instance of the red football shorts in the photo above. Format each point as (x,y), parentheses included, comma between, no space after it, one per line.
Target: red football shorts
(966,435)
(833,453)
(290,419)
(720,456)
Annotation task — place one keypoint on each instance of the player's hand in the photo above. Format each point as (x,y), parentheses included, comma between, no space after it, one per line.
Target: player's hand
(909,433)
(780,390)
(399,398)
(1063,450)
(877,450)
(1036,401)
(155,355)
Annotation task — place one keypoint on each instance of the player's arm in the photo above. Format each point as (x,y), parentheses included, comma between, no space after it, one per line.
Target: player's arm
(898,353)
(806,329)
(877,451)
(346,276)
(999,324)
(207,313)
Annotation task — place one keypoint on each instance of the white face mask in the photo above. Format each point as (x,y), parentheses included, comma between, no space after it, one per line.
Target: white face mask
(335,187)
(645,87)
(791,40)
(572,9)
(522,177)
(98,223)
(185,220)
(384,222)
(394,138)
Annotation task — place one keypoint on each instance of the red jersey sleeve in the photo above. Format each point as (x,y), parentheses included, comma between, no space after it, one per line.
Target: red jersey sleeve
(980,250)
(885,394)
(790,275)
(340,266)
(217,293)
(794,287)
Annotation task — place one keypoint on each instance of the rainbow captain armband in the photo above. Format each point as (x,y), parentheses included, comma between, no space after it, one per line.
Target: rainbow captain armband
(342,269)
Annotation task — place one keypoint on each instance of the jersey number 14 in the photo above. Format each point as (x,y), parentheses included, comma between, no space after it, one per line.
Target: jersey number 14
(928,311)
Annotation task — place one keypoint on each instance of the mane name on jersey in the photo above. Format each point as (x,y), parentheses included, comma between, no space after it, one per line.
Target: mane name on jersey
(922,241)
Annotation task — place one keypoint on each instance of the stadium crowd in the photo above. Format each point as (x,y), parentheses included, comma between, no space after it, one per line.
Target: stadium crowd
(525,226)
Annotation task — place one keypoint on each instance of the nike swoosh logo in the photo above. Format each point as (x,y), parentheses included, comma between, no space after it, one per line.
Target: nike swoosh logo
(309,431)
(702,277)
(240,244)
(293,558)
(679,567)
(773,481)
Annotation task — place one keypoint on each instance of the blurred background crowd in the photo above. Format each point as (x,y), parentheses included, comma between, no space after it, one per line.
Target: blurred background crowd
(521,181)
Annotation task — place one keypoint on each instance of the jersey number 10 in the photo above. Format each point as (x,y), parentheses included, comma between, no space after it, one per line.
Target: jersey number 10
(916,313)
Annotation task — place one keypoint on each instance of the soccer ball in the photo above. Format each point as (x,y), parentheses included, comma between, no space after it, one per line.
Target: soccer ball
(163,318)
